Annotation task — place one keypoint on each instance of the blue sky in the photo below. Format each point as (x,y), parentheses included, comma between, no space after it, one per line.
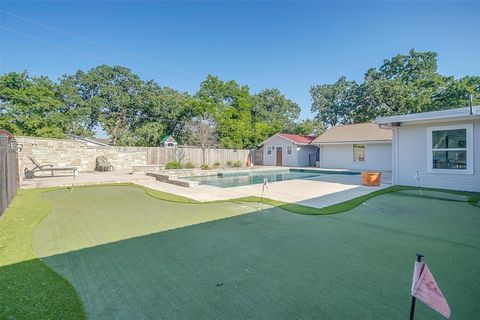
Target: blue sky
(287,45)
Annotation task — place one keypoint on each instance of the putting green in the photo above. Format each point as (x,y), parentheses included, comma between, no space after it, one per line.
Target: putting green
(129,256)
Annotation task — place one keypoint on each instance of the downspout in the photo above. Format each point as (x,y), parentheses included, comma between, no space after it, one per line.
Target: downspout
(395,157)
(470,103)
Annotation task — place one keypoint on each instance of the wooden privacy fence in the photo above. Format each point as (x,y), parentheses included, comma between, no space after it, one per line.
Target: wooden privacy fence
(197,156)
(8,169)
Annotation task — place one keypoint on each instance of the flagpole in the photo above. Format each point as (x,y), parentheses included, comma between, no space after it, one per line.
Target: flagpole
(412,306)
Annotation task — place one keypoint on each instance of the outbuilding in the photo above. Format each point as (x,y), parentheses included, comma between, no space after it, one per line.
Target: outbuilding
(168,142)
(291,150)
(439,149)
(359,146)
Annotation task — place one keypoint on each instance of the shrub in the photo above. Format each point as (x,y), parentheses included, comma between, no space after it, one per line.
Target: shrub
(173,165)
(237,164)
(188,165)
(216,164)
(230,163)
(204,167)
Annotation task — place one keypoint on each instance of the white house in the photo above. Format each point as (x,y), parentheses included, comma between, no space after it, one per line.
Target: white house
(292,150)
(441,148)
(359,146)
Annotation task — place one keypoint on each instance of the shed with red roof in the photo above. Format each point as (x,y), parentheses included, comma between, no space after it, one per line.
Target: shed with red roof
(291,150)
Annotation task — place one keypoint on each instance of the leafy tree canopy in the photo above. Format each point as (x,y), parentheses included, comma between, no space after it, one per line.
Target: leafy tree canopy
(403,84)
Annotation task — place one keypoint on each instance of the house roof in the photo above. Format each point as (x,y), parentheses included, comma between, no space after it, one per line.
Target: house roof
(296,138)
(452,114)
(357,132)
(106,141)
(97,141)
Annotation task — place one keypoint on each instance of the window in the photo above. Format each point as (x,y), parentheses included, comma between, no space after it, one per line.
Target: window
(269,150)
(450,149)
(289,150)
(359,153)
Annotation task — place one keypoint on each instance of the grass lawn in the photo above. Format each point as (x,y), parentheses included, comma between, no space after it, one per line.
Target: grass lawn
(127,255)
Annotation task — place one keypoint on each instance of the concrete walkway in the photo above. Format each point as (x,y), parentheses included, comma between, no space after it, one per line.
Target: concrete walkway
(320,191)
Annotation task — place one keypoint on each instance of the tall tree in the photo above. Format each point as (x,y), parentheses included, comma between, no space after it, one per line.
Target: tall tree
(272,107)
(333,102)
(168,110)
(31,106)
(116,94)
(308,127)
(76,94)
(403,84)
(230,105)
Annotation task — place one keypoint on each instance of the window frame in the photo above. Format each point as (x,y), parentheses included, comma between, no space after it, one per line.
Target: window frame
(364,153)
(291,150)
(468,149)
(269,151)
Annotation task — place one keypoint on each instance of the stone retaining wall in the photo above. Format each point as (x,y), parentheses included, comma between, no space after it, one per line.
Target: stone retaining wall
(69,153)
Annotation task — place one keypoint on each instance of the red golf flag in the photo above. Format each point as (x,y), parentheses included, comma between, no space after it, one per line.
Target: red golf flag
(425,289)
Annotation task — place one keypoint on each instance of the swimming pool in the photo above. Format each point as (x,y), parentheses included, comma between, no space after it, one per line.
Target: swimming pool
(235,179)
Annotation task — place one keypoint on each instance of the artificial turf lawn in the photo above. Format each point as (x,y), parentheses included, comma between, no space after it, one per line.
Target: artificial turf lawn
(28,288)
(265,266)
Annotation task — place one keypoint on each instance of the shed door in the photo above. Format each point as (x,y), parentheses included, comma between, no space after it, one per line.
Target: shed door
(278,157)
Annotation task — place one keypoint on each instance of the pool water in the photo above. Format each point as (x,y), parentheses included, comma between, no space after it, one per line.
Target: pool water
(235,179)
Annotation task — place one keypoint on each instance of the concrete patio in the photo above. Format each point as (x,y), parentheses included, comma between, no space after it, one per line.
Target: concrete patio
(320,191)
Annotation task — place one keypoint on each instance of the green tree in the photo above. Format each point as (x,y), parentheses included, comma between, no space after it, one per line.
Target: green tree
(309,127)
(31,106)
(273,108)
(403,84)
(170,110)
(230,106)
(457,92)
(115,95)
(334,103)
(76,93)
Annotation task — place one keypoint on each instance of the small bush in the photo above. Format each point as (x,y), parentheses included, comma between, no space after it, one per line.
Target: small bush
(230,163)
(173,165)
(237,164)
(204,167)
(188,165)
(216,164)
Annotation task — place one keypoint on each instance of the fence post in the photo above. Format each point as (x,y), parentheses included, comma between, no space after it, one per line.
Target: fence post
(8,169)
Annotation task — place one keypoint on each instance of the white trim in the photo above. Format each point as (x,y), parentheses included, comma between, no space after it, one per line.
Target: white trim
(291,149)
(432,116)
(364,153)
(469,149)
(352,142)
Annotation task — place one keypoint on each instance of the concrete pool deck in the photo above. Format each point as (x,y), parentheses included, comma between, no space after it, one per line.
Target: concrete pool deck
(318,192)
(315,192)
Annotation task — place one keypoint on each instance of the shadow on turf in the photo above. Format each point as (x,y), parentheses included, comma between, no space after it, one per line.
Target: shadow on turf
(31,290)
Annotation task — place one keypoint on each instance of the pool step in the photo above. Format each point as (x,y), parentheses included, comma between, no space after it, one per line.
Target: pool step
(173,180)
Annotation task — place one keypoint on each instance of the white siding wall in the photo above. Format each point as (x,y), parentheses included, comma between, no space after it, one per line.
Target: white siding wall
(412,156)
(378,156)
(276,141)
(303,154)
(299,156)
